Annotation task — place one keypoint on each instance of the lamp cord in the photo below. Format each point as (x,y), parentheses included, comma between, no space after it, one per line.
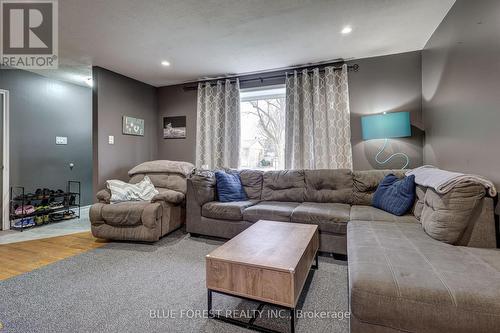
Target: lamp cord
(390,157)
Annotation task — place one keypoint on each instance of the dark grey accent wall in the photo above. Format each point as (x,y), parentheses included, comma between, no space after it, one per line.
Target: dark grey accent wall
(388,83)
(174,101)
(40,110)
(115,96)
(461,99)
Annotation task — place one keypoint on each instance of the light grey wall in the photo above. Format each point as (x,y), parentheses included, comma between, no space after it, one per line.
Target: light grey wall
(388,83)
(40,110)
(461,98)
(115,96)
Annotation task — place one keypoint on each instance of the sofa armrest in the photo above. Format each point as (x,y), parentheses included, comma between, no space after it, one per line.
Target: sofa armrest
(95,214)
(169,196)
(104,196)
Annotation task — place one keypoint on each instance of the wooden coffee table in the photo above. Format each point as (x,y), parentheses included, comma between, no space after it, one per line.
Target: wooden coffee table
(268,262)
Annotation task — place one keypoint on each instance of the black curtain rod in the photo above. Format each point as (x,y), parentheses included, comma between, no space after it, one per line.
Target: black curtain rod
(213,82)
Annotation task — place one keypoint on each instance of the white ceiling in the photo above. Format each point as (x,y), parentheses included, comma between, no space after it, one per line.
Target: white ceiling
(209,38)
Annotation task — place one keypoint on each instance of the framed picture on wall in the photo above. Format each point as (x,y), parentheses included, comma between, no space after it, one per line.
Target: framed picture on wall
(174,127)
(133,126)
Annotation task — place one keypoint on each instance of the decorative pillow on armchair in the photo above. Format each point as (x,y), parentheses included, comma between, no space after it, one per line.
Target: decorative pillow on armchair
(395,195)
(229,187)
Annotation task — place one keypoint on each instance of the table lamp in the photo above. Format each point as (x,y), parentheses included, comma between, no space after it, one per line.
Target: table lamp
(386,126)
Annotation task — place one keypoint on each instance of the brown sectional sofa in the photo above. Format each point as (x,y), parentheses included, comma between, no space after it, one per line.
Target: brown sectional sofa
(435,269)
(330,199)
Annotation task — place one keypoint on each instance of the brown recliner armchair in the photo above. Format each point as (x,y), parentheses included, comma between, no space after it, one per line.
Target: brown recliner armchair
(144,220)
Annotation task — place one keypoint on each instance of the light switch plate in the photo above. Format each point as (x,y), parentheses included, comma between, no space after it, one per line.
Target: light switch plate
(61,140)
(111,140)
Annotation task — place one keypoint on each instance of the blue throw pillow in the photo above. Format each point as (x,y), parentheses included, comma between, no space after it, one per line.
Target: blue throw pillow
(395,195)
(229,187)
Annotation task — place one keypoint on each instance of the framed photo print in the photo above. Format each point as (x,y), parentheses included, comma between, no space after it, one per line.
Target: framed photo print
(174,127)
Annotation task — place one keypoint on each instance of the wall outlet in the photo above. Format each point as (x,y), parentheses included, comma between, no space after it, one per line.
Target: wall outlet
(61,140)
(111,140)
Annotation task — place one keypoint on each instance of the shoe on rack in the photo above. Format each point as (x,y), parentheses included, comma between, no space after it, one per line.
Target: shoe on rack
(56,205)
(24,223)
(39,220)
(56,217)
(41,208)
(69,215)
(25,210)
(46,193)
(46,219)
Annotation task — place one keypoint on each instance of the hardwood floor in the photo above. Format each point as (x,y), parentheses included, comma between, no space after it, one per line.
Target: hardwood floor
(22,257)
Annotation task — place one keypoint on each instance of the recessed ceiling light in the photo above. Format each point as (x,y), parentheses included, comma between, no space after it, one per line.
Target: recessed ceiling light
(346,30)
(165,63)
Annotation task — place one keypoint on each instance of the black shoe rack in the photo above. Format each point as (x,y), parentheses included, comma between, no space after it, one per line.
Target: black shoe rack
(45,206)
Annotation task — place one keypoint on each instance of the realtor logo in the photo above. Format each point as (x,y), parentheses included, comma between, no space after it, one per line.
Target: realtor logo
(28,37)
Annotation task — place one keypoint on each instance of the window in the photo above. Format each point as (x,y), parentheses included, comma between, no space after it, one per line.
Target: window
(263,128)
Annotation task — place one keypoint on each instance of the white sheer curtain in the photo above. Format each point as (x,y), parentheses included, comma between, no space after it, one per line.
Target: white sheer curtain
(218,125)
(317,131)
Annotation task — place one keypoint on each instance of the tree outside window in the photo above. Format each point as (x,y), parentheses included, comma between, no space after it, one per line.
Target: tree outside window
(263,128)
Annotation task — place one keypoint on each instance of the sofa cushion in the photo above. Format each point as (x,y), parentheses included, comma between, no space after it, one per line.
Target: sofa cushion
(131,213)
(403,279)
(328,185)
(365,183)
(270,210)
(394,195)
(330,217)
(446,216)
(229,187)
(283,185)
(252,183)
(203,186)
(226,210)
(369,213)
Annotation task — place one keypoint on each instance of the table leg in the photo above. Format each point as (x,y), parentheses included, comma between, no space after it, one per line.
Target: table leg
(316,263)
(209,303)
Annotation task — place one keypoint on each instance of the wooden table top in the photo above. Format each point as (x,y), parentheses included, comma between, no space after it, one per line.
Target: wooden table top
(268,244)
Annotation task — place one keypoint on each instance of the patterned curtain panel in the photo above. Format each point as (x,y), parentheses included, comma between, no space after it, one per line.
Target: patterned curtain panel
(218,129)
(318,132)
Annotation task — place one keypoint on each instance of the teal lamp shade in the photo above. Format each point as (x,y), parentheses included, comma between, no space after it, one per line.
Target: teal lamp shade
(386,126)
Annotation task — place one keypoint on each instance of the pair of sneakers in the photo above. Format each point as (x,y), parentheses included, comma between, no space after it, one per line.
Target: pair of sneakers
(25,223)
(42,219)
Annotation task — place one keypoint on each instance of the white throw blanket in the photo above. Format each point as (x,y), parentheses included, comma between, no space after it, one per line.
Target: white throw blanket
(444,181)
(122,191)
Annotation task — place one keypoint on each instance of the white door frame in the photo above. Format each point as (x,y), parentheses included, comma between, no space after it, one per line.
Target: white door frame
(5,184)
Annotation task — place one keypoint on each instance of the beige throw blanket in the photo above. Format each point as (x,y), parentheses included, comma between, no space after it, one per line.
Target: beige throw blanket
(443,181)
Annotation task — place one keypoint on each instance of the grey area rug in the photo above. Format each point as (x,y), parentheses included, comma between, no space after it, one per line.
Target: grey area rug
(127,287)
